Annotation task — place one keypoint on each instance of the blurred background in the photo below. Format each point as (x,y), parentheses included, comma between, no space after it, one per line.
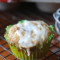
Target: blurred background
(48,6)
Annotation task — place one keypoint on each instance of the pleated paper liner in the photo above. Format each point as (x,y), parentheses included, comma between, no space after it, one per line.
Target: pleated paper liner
(35,54)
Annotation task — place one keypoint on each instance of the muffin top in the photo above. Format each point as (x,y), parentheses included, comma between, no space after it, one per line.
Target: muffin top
(28,33)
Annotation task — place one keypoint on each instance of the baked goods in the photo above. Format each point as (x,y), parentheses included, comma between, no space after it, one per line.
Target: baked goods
(29,40)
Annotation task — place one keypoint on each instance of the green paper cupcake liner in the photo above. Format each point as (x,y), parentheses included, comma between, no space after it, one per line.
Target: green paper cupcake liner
(36,53)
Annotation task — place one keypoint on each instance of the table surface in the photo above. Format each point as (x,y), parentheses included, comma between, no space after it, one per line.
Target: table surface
(12,17)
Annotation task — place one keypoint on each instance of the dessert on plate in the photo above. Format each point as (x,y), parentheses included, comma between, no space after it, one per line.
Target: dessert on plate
(29,40)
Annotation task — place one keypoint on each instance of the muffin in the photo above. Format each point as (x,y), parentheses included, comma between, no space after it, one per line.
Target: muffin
(29,40)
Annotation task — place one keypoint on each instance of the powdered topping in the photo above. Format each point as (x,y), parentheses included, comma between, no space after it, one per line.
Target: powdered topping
(33,31)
